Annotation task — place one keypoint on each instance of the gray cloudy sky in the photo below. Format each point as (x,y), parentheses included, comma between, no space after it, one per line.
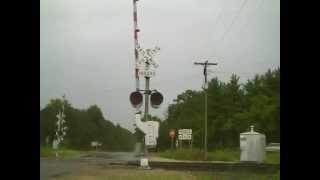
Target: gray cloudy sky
(86,47)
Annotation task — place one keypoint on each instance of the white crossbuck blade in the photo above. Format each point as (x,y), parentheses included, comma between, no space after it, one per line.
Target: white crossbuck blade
(147,56)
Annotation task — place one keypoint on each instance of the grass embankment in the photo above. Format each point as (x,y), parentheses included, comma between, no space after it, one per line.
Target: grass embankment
(273,157)
(216,155)
(120,173)
(63,152)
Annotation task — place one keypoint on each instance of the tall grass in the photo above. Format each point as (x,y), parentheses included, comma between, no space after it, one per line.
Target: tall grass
(273,157)
(196,154)
(215,155)
(224,155)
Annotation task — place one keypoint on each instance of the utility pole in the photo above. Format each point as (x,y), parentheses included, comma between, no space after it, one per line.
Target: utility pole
(205,65)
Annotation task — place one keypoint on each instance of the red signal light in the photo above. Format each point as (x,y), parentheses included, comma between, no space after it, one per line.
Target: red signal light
(136,99)
(156,99)
(172,133)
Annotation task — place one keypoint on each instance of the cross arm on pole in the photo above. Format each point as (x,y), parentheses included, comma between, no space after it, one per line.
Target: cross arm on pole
(205,63)
(212,64)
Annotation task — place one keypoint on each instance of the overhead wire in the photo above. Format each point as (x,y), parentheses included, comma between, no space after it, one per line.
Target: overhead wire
(220,40)
(233,20)
(244,2)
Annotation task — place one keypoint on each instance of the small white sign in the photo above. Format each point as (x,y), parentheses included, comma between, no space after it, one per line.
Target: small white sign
(148,73)
(150,140)
(185,134)
(185,131)
(144,162)
(55,144)
(185,137)
(95,144)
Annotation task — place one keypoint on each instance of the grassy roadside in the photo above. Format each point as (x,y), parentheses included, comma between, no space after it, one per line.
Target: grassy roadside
(216,155)
(63,152)
(120,173)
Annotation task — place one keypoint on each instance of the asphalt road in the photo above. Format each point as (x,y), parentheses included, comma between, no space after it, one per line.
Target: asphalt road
(53,168)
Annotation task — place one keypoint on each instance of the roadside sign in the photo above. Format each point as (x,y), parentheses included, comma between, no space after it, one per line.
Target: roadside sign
(147,73)
(55,144)
(144,162)
(152,133)
(185,134)
(94,144)
(185,131)
(150,140)
(172,133)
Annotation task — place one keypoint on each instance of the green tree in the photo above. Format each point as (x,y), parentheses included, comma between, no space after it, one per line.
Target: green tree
(84,126)
(232,108)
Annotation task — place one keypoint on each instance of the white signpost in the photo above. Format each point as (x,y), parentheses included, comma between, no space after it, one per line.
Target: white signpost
(185,134)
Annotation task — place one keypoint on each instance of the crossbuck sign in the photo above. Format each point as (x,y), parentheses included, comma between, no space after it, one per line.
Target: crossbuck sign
(147,57)
(185,134)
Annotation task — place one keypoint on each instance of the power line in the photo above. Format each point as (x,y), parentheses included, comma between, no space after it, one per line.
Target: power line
(226,72)
(220,40)
(233,20)
(217,19)
(257,7)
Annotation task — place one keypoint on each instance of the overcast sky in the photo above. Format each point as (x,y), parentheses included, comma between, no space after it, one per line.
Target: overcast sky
(86,47)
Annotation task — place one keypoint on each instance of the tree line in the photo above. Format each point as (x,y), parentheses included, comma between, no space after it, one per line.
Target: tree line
(84,126)
(232,108)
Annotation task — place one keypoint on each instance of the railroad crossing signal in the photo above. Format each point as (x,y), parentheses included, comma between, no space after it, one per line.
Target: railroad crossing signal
(156,99)
(136,99)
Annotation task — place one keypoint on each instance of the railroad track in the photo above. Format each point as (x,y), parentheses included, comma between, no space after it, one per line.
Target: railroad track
(210,166)
(187,165)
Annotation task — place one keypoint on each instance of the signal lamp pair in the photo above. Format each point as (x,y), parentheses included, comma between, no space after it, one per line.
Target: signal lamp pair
(136,98)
